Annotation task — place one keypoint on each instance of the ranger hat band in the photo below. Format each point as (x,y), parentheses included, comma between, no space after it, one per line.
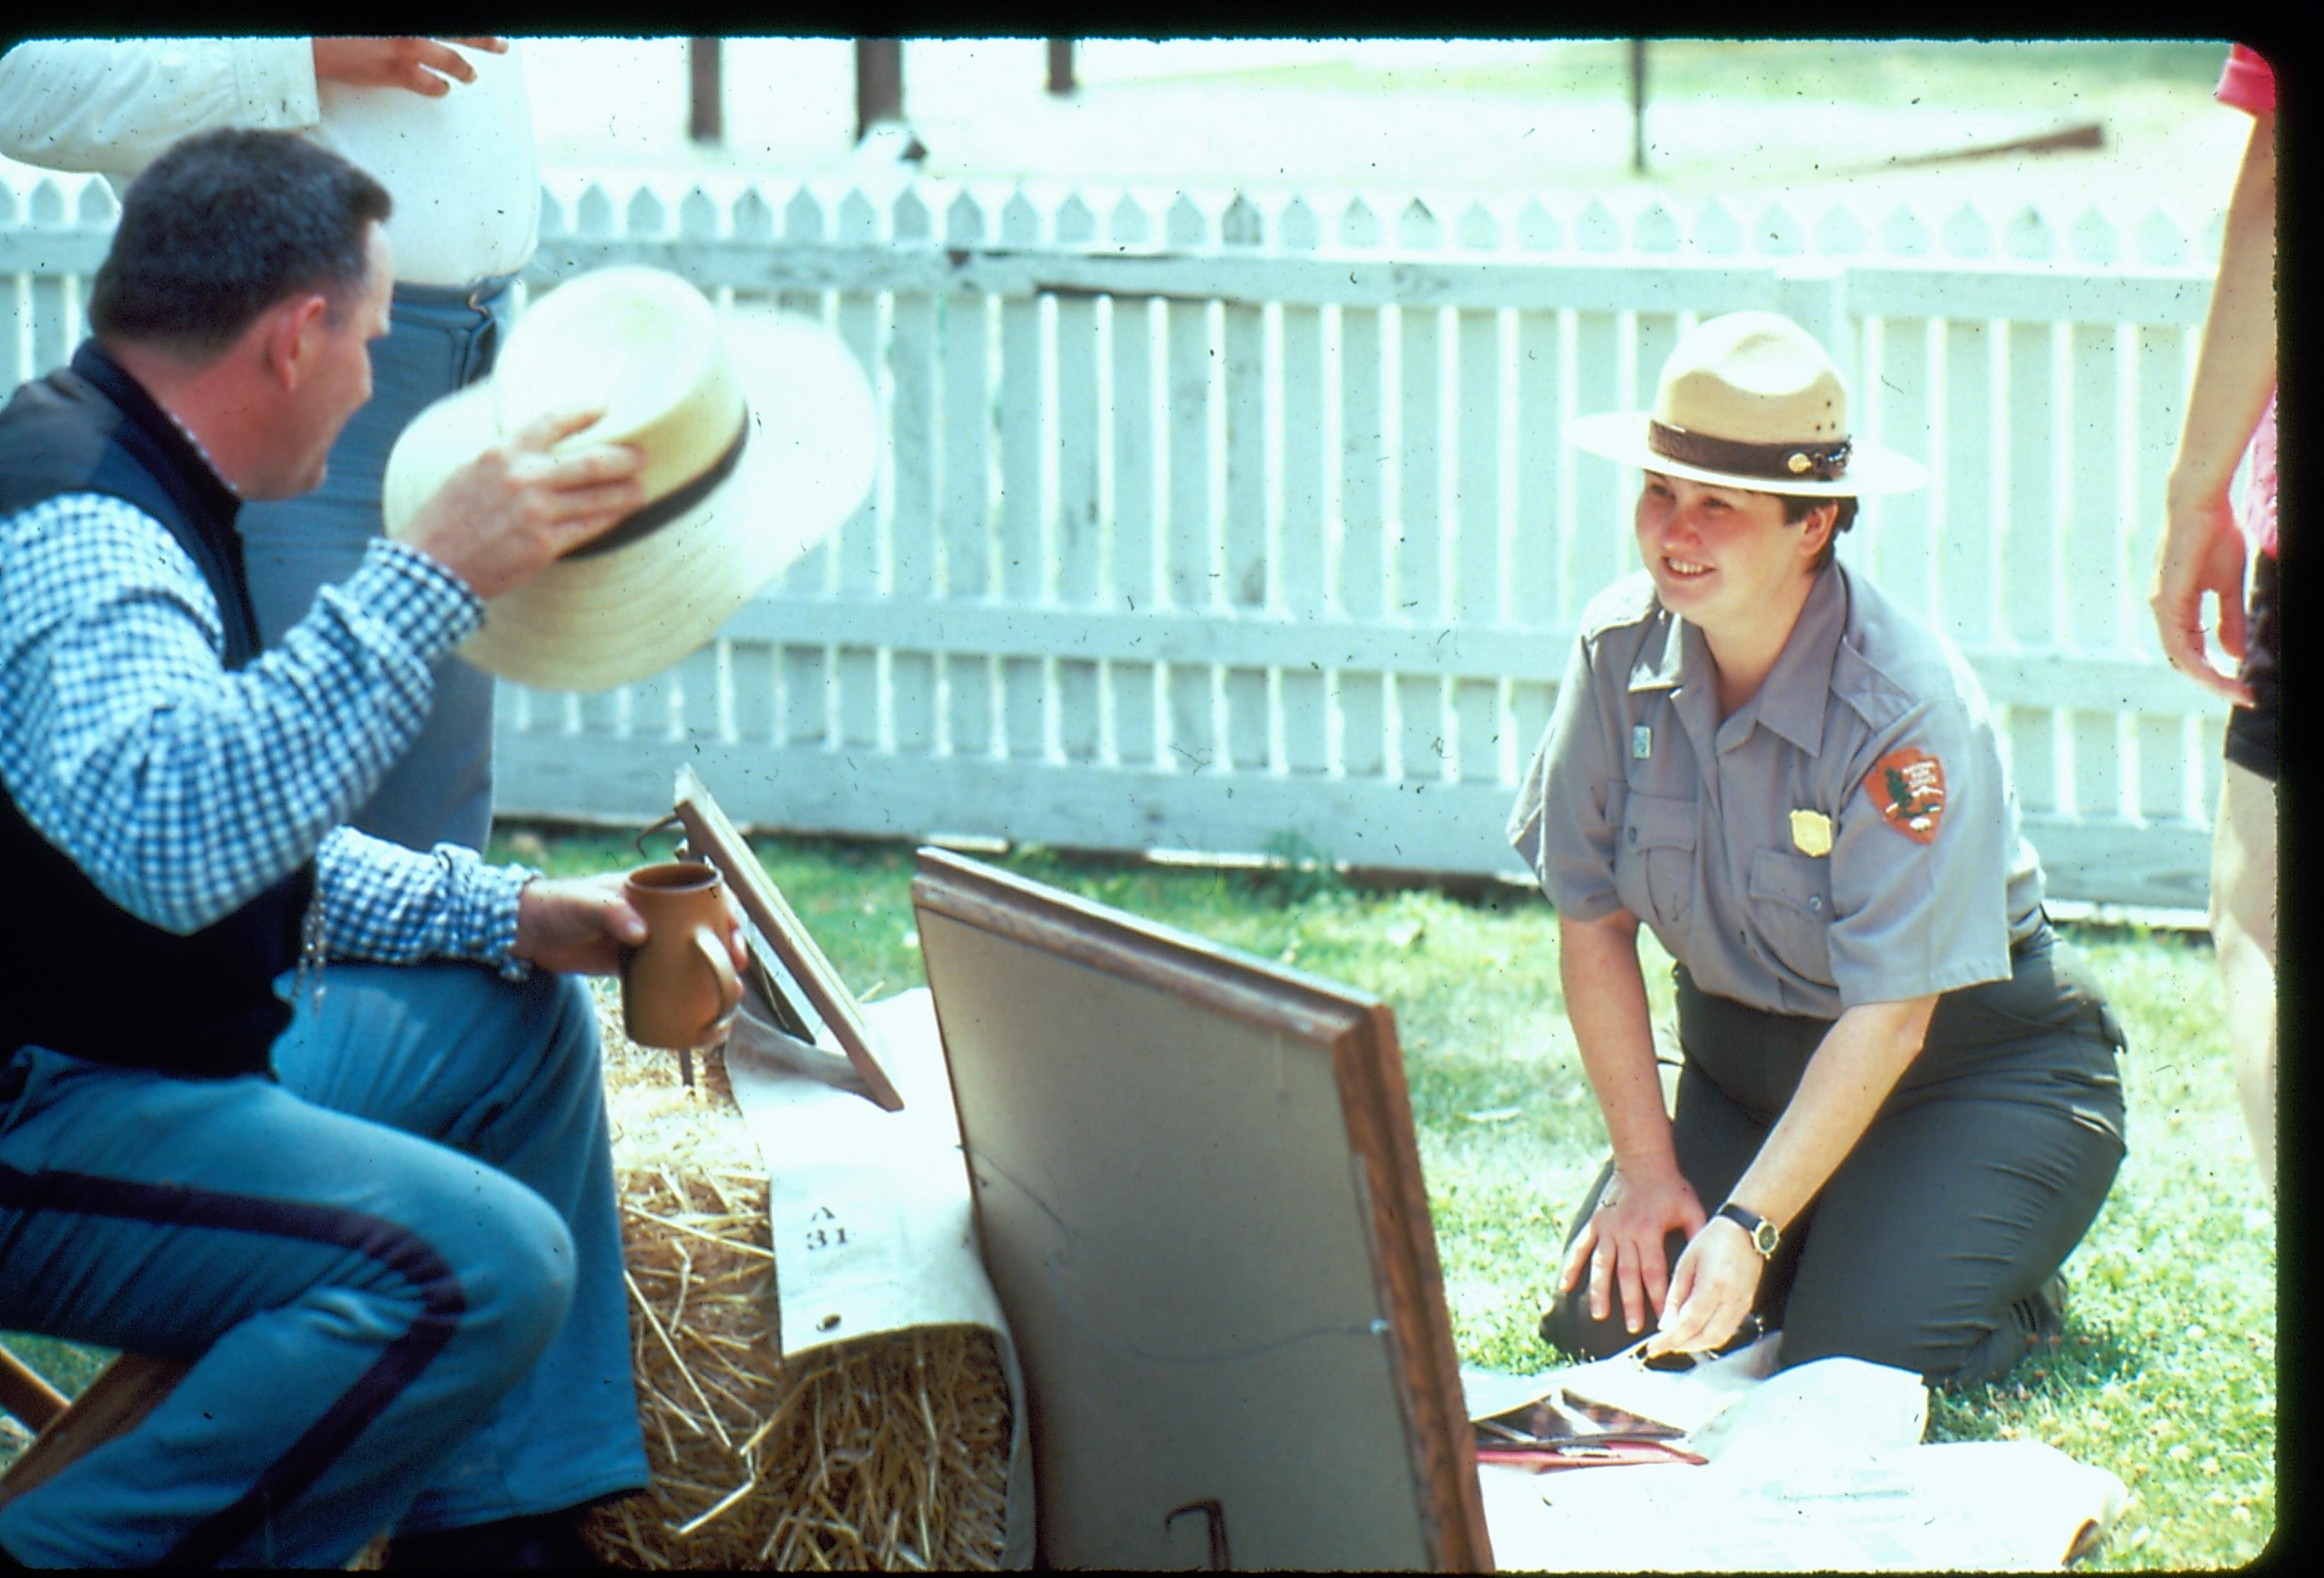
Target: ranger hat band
(1776,462)
(1751,399)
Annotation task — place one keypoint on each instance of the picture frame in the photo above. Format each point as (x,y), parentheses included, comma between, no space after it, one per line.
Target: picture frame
(1199,1197)
(712,836)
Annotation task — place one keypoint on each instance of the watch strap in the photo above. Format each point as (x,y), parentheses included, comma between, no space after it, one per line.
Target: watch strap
(1764,1234)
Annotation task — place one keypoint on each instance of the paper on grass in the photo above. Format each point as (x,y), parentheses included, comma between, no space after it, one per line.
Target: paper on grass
(1825,1407)
(874,1226)
(1818,1467)
(1983,1506)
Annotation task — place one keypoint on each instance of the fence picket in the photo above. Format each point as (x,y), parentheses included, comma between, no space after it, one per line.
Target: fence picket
(2031,590)
(1537,588)
(859,698)
(1023,557)
(2096,570)
(1363,570)
(1592,554)
(1078,523)
(1969,232)
(913,354)
(1897,389)
(1135,417)
(967,502)
(1422,726)
(1968,482)
(1716,231)
(1904,234)
(1244,566)
(1304,570)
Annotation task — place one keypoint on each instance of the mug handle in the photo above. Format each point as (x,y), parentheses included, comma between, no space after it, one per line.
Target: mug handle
(722,965)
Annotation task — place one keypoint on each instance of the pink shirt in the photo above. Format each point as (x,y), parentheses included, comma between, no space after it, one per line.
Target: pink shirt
(2248,84)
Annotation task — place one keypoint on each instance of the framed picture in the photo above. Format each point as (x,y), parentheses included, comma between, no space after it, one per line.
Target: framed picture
(712,837)
(1201,1204)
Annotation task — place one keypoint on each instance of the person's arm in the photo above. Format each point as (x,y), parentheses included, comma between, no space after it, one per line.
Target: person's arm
(183,789)
(1647,1197)
(2203,549)
(389,904)
(1851,1073)
(111,107)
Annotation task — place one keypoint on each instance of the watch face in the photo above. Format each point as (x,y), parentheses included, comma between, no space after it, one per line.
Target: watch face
(1765,1237)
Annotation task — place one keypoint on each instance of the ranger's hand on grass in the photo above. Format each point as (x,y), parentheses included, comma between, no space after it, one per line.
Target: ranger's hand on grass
(1622,1242)
(1712,1289)
(580,925)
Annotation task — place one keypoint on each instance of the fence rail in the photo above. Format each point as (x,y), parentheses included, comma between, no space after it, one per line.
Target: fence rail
(1210,517)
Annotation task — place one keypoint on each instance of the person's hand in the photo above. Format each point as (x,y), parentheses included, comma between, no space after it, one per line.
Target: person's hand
(412,63)
(1622,1242)
(513,510)
(2203,550)
(1712,1289)
(581,925)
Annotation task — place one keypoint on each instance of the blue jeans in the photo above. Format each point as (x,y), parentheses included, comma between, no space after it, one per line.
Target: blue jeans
(439,340)
(398,1272)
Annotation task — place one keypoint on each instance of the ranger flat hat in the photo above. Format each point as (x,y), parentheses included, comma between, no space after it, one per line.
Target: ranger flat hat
(759,435)
(1751,399)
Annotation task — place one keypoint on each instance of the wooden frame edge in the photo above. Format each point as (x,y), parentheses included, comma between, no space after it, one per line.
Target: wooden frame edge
(710,832)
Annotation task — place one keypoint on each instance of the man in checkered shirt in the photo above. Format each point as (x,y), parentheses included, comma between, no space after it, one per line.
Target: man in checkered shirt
(372,1203)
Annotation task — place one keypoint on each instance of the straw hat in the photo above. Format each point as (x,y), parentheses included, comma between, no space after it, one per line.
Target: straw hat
(1751,399)
(760,435)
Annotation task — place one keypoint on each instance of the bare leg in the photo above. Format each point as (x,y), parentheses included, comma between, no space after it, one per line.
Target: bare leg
(2243,931)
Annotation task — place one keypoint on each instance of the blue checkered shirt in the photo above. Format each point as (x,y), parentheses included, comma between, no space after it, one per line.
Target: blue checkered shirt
(183,789)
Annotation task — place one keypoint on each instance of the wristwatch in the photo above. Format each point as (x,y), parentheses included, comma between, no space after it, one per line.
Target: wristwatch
(1764,1234)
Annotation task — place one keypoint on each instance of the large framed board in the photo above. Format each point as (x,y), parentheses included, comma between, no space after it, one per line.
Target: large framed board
(1199,1201)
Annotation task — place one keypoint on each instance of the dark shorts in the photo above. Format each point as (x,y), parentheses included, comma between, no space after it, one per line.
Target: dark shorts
(2251,731)
(1979,1176)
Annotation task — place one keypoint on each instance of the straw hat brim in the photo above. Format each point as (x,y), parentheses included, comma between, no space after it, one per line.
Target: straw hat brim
(612,618)
(1872,468)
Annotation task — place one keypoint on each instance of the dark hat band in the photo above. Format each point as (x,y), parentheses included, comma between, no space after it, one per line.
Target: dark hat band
(1771,462)
(640,524)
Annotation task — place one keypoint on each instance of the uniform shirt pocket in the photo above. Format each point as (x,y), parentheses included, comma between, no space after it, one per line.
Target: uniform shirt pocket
(1791,909)
(1654,867)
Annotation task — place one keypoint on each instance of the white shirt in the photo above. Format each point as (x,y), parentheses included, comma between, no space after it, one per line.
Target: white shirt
(462,169)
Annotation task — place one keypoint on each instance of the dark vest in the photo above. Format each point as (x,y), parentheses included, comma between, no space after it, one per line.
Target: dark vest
(83,976)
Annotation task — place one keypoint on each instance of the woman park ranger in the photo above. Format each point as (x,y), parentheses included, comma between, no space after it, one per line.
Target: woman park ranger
(1897,1107)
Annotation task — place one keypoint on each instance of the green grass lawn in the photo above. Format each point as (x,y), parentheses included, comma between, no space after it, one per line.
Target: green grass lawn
(2167,1376)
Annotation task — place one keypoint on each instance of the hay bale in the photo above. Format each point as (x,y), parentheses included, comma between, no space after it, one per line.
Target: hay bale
(888,1452)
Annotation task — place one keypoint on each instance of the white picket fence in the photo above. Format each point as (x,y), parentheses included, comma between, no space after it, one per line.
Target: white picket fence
(1210,518)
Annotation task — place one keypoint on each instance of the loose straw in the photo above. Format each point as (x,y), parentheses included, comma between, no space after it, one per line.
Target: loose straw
(890,1452)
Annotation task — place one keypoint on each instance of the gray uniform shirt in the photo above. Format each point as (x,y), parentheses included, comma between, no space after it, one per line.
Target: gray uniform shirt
(1848,836)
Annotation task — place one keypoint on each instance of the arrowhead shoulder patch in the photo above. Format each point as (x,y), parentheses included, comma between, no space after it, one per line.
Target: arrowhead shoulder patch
(1908,786)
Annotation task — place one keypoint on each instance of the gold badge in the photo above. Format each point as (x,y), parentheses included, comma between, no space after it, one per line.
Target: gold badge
(1811,832)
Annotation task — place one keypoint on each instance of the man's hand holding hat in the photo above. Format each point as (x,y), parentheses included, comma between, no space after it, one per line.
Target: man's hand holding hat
(523,503)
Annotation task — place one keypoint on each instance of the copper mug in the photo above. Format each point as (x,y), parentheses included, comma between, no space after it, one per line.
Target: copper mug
(678,988)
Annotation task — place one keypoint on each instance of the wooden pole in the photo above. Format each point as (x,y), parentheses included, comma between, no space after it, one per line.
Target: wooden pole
(705,120)
(1638,106)
(1061,65)
(879,83)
